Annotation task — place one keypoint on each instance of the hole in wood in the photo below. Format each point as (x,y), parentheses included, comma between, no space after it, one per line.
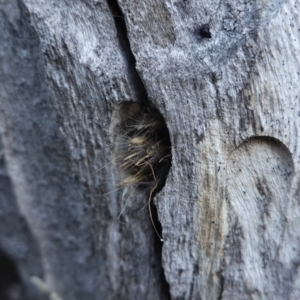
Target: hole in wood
(142,153)
(204,31)
(144,147)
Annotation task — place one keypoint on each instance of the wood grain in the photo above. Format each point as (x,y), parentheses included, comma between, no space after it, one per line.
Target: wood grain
(229,210)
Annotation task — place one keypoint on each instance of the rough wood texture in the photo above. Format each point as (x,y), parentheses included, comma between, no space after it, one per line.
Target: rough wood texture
(224,74)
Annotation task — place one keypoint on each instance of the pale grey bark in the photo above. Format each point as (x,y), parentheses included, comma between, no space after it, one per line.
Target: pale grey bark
(224,74)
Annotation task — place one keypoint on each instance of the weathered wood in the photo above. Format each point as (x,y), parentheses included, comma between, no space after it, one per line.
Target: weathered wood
(225,77)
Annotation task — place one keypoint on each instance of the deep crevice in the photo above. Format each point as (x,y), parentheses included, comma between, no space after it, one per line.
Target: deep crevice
(141,94)
(11,287)
(134,77)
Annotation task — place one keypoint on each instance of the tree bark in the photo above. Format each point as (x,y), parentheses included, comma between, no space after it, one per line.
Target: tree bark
(224,75)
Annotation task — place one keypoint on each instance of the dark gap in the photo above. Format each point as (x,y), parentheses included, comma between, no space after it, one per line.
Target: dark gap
(144,138)
(222,283)
(158,249)
(146,112)
(204,31)
(134,77)
(145,134)
(11,287)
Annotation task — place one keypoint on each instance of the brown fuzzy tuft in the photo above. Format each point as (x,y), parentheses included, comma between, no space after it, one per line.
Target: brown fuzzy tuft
(145,147)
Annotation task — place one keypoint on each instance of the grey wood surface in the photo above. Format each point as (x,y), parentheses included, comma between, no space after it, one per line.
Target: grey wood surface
(225,77)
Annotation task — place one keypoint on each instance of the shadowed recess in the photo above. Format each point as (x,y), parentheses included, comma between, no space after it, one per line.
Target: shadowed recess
(11,287)
(143,147)
(144,154)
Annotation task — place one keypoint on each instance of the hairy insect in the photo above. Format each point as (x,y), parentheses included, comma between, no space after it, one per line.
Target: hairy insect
(144,152)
